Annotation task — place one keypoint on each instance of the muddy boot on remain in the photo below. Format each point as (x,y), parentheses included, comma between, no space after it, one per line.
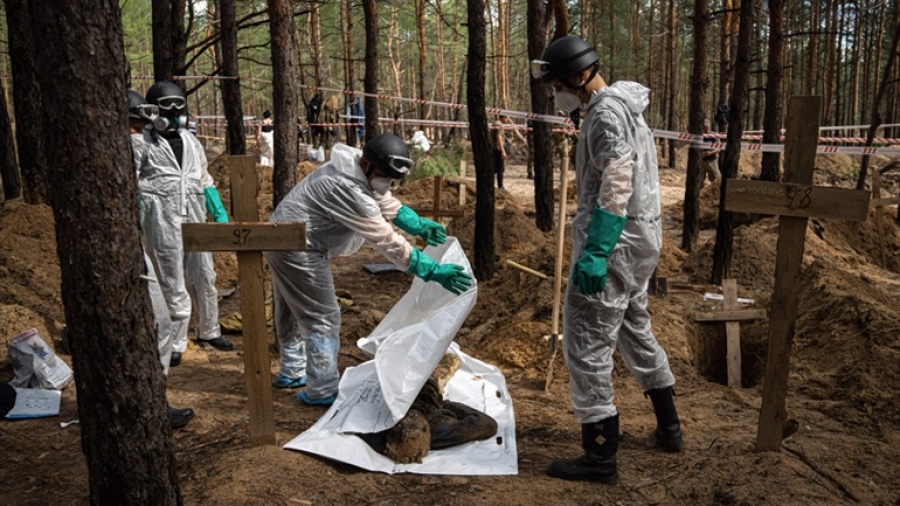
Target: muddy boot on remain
(668,429)
(600,441)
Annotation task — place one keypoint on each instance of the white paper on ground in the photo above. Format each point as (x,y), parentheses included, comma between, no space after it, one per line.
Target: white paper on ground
(407,345)
(35,403)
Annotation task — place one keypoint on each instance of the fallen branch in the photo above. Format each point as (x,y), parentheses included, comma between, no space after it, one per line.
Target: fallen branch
(812,465)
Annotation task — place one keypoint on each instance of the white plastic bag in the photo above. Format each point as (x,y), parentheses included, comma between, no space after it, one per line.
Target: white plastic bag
(35,364)
(420,142)
(316,154)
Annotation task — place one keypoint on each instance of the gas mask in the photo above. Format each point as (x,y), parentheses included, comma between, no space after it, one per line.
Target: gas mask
(171,114)
(169,124)
(381,185)
(566,101)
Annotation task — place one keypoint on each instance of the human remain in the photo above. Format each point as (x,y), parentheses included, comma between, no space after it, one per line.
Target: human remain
(140,114)
(344,203)
(265,139)
(710,158)
(175,188)
(616,244)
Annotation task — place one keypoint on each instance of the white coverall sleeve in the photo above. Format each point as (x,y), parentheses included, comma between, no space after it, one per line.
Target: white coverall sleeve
(205,179)
(611,155)
(389,204)
(373,227)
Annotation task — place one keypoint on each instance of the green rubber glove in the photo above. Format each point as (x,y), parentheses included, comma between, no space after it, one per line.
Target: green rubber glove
(214,204)
(450,276)
(431,232)
(603,234)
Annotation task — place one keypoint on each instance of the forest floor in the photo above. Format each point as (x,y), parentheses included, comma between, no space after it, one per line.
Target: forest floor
(842,385)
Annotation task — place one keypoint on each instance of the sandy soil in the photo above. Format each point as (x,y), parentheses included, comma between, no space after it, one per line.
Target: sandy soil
(842,387)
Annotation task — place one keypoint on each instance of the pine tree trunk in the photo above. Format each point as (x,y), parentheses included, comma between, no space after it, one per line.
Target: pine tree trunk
(771,162)
(541,139)
(349,81)
(284,97)
(672,80)
(813,75)
(725,230)
(481,142)
(699,83)
(120,386)
(163,52)
(231,88)
(315,42)
(30,126)
(370,80)
(420,28)
(9,170)
(853,106)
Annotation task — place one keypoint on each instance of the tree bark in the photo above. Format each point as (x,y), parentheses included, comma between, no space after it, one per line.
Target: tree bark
(125,432)
(672,79)
(349,80)
(771,162)
(876,105)
(284,97)
(481,142)
(699,83)
(30,125)
(420,28)
(725,228)
(9,170)
(541,139)
(231,88)
(169,39)
(370,80)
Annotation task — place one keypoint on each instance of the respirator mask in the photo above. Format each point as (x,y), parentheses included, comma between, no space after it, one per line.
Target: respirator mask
(171,114)
(381,185)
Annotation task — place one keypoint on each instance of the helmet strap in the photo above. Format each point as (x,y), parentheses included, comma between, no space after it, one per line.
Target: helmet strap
(583,88)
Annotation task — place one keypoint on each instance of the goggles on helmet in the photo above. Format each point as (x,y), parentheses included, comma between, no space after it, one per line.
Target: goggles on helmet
(399,164)
(148,112)
(170,102)
(539,68)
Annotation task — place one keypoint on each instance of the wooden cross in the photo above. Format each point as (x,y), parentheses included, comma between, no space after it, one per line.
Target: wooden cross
(249,239)
(795,201)
(732,316)
(436,212)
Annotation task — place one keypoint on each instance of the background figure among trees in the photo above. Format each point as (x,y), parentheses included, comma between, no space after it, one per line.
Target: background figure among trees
(265,139)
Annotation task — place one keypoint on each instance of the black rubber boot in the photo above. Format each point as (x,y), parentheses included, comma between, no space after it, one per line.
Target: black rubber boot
(179,417)
(668,429)
(600,441)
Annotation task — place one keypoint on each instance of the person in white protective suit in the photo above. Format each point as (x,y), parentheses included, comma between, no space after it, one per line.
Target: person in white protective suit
(344,203)
(617,239)
(140,114)
(176,188)
(265,139)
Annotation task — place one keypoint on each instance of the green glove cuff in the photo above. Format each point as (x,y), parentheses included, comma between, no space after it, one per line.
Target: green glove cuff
(408,221)
(603,232)
(421,265)
(214,204)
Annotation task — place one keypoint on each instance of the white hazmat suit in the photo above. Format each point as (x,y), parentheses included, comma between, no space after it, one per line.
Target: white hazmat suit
(161,320)
(617,172)
(172,194)
(341,212)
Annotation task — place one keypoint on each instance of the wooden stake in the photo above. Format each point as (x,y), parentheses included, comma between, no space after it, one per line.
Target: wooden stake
(733,334)
(555,337)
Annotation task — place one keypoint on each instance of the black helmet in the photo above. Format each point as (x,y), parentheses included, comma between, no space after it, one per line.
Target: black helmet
(135,103)
(166,96)
(564,57)
(390,154)
(139,109)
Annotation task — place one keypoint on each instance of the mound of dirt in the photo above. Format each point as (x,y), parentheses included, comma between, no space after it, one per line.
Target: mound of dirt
(753,260)
(847,345)
(29,265)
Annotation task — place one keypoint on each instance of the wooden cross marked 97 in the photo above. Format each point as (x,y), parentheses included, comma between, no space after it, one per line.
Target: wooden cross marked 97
(249,239)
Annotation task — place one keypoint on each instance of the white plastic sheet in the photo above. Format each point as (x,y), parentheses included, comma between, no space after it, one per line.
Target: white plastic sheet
(407,345)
